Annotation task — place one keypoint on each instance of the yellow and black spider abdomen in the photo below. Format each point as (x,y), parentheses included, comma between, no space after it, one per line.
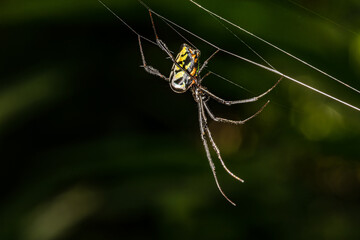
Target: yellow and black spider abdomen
(188,60)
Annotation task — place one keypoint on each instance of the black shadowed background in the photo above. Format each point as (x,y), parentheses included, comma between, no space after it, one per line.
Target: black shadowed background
(93,147)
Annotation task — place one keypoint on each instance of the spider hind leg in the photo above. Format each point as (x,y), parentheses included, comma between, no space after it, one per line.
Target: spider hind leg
(204,141)
(213,144)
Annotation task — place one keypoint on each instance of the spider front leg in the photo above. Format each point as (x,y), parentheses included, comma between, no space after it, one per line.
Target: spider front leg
(159,42)
(148,68)
(204,141)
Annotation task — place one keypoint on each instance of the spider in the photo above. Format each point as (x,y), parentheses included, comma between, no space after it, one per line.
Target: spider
(185,76)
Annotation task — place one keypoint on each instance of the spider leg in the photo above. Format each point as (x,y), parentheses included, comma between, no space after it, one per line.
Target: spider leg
(207,74)
(207,60)
(159,42)
(148,68)
(163,47)
(228,103)
(203,138)
(214,146)
(224,120)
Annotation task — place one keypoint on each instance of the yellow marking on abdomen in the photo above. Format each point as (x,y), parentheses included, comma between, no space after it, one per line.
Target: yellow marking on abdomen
(179,75)
(187,66)
(181,57)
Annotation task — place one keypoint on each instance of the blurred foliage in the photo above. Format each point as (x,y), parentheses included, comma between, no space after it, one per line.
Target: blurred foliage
(92,147)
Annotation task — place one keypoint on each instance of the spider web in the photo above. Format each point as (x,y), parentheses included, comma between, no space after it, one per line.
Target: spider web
(176,27)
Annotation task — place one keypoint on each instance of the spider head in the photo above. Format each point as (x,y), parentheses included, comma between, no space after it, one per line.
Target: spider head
(184,71)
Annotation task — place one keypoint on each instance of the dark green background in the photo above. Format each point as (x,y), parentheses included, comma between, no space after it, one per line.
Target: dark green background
(92,147)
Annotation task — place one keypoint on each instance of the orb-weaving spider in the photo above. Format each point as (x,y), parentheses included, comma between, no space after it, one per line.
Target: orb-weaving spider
(184,76)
